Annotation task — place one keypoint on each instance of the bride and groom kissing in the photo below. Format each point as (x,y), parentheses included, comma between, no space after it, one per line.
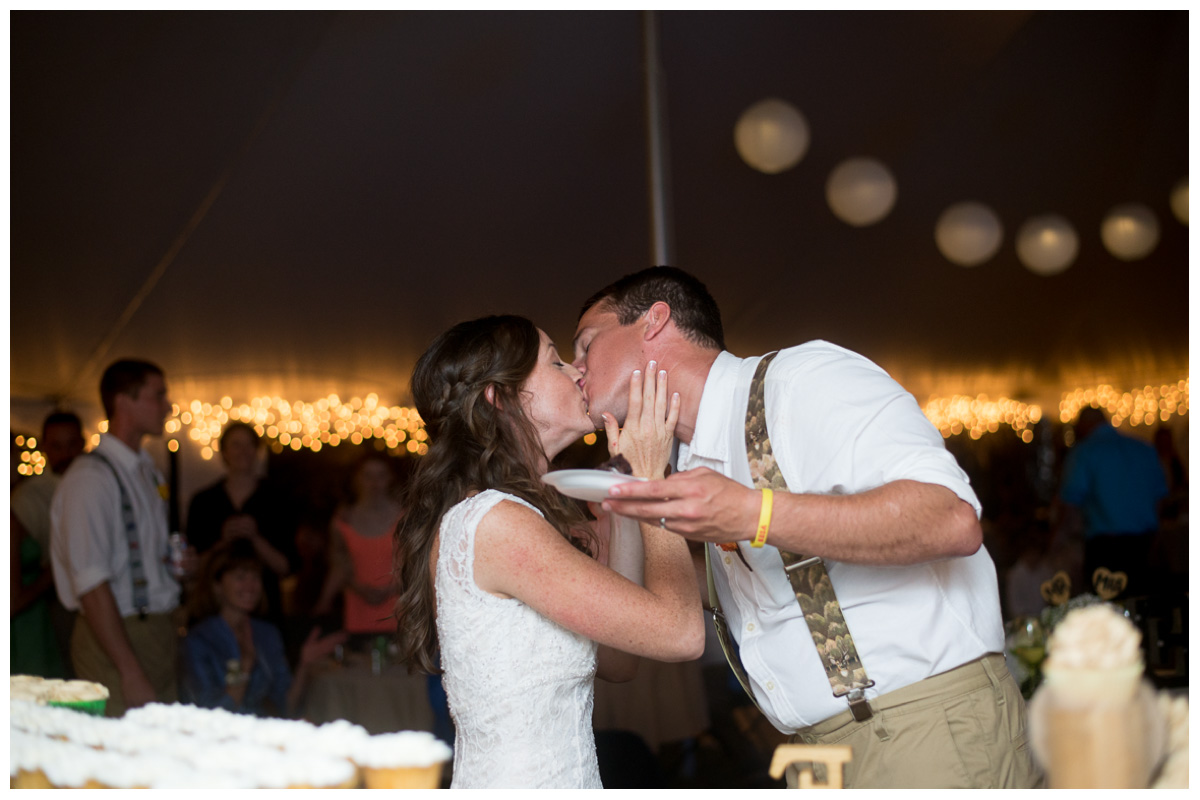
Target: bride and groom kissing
(510,593)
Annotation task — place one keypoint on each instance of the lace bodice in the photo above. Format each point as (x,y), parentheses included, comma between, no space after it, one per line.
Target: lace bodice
(519,685)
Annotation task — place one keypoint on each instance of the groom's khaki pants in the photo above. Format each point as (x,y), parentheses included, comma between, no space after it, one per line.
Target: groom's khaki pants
(962,729)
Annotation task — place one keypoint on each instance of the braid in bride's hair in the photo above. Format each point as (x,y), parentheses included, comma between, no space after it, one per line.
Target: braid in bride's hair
(476,442)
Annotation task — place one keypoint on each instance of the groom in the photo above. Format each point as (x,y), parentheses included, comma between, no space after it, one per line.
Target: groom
(843,479)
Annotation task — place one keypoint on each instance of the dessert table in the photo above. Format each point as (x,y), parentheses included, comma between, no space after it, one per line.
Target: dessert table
(391,701)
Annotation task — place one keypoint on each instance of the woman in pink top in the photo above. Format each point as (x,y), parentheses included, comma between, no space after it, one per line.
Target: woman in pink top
(362,551)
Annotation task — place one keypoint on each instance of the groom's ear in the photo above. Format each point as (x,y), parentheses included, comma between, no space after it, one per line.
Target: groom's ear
(656,319)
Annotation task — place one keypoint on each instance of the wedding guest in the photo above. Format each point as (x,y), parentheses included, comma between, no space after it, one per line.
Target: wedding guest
(40,627)
(108,548)
(1032,568)
(234,659)
(361,551)
(32,649)
(1174,506)
(244,505)
(497,569)
(825,464)
(1115,482)
(302,589)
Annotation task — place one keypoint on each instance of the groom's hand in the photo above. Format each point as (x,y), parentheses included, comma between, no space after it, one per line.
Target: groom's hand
(698,504)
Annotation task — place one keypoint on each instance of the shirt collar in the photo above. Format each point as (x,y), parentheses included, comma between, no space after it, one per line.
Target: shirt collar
(710,440)
(120,454)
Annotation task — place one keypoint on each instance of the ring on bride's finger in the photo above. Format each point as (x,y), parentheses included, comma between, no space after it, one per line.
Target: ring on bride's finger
(662,523)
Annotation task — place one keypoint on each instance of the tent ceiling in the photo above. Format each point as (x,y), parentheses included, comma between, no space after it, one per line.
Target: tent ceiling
(306,199)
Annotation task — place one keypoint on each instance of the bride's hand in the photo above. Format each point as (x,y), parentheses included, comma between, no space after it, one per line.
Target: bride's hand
(645,441)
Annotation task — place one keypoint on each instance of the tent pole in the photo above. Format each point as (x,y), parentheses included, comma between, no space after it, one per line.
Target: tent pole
(658,172)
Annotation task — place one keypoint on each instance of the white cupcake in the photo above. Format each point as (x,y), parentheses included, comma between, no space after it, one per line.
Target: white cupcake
(278,733)
(23,716)
(1094,657)
(304,771)
(48,721)
(68,766)
(135,740)
(189,777)
(27,753)
(163,716)
(338,738)
(144,770)
(85,729)
(404,760)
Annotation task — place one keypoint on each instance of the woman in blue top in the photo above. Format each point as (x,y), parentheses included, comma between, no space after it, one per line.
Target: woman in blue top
(234,660)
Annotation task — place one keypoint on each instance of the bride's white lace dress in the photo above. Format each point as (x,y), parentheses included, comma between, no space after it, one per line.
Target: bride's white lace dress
(519,685)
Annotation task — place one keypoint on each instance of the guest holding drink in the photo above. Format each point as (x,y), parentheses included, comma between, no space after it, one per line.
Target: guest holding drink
(233,659)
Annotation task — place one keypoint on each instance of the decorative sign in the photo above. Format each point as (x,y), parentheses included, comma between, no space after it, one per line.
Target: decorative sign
(1109,584)
(1057,590)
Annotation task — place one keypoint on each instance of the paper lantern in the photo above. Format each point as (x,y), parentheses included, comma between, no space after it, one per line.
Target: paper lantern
(1130,231)
(1047,244)
(1179,201)
(771,136)
(861,191)
(968,234)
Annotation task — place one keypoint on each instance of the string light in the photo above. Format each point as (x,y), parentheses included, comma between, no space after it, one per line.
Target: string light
(1147,405)
(33,462)
(979,415)
(296,425)
(329,422)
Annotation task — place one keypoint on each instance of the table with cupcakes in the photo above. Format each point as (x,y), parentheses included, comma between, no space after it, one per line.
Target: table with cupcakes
(59,738)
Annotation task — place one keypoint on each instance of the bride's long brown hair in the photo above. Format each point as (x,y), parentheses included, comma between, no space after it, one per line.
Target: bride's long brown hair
(476,442)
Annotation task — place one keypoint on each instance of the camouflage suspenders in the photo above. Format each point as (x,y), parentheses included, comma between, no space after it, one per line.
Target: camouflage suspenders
(809,579)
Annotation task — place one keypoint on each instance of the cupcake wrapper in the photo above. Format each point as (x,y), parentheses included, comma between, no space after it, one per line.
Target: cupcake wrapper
(93,707)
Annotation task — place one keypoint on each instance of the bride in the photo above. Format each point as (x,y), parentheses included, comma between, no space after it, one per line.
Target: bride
(500,573)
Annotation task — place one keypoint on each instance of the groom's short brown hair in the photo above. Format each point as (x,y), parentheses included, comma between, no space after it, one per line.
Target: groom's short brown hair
(693,309)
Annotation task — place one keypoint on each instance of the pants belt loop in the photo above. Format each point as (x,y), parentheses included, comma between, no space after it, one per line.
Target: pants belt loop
(994,679)
(880,726)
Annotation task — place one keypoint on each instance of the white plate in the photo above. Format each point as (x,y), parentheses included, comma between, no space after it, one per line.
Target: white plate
(586,484)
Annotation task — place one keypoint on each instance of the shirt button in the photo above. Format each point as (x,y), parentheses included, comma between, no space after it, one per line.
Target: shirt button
(770,686)
(750,626)
(728,560)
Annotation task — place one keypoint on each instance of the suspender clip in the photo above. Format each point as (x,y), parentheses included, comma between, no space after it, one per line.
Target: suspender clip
(808,562)
(857,699)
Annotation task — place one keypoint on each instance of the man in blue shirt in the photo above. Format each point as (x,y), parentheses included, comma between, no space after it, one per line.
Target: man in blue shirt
(1116,482)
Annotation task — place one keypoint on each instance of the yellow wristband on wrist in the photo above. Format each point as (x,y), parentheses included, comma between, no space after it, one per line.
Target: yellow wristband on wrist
(764,519)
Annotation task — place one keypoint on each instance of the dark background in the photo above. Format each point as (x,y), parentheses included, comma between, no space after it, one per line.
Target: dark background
(320,194)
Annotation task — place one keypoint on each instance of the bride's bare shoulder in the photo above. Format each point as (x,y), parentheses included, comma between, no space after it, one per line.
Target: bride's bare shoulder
(510,518)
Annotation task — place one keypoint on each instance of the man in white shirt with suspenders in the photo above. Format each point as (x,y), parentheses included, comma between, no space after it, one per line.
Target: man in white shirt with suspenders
(108,543)
(844,547)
